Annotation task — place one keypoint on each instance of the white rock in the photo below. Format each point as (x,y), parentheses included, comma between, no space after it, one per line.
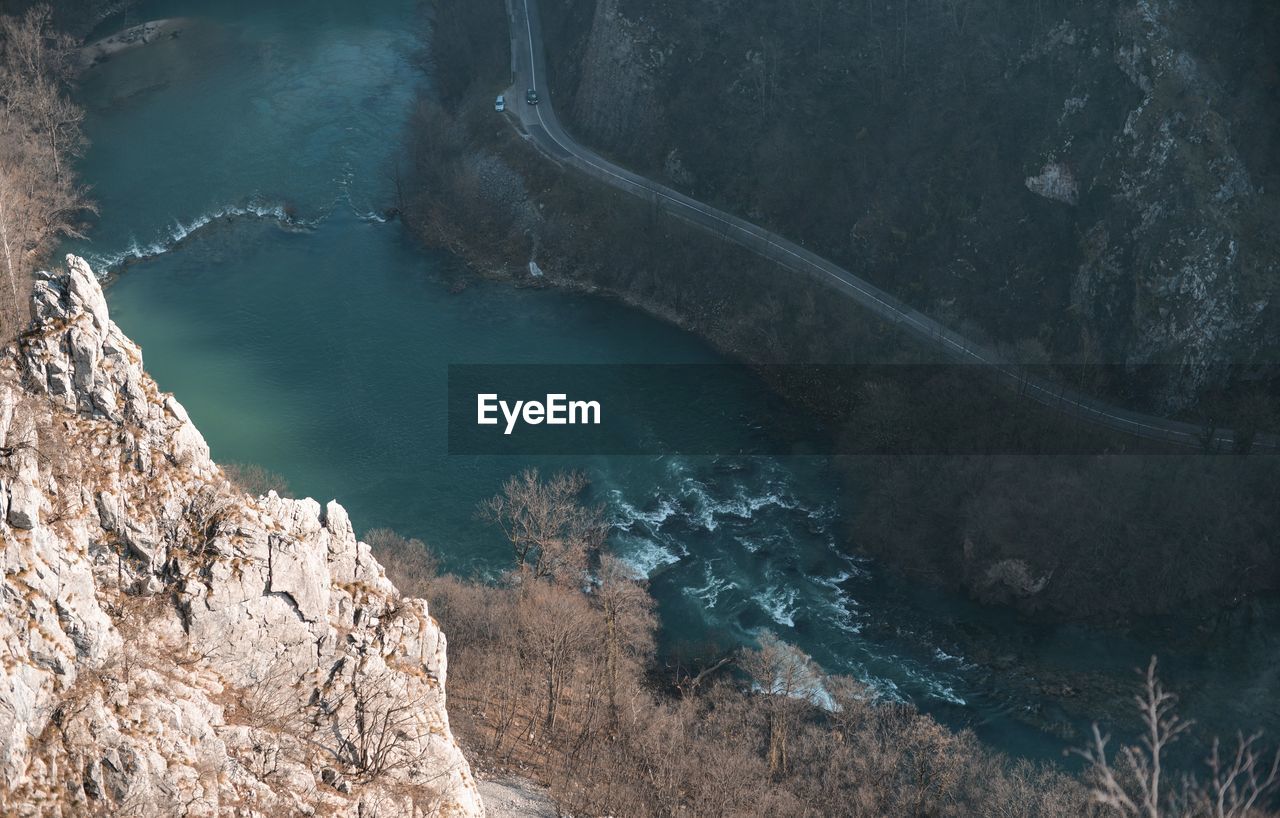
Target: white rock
(212,645)
(1055,182)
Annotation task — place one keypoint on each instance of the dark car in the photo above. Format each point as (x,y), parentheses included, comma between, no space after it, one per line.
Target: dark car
(531,97)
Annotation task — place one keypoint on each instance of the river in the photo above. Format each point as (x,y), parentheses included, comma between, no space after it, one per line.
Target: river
(241,170)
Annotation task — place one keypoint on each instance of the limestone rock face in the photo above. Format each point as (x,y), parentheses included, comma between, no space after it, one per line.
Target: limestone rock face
(1181,258)
(172,646)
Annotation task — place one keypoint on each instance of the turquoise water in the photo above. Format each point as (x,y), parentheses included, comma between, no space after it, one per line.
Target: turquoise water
(241,170)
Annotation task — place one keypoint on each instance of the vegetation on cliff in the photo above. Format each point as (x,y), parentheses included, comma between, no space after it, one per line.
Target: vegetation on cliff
(170,645)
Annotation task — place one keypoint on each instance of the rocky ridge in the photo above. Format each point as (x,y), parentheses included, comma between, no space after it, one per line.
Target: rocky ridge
(172,646)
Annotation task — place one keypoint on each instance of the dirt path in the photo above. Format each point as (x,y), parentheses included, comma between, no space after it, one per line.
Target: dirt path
(515,798)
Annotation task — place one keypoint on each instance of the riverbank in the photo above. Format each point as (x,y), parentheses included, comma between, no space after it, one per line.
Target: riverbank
(133,37)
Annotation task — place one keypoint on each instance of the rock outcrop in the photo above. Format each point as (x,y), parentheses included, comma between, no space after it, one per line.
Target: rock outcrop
(172,646)
(1181,243)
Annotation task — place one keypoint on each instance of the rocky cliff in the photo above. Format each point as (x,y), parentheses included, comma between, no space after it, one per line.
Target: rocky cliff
(172,646)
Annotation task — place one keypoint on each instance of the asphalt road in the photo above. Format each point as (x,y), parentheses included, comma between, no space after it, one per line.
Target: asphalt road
(540,125)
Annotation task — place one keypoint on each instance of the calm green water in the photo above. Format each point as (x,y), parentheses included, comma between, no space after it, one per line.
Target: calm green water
(239,170)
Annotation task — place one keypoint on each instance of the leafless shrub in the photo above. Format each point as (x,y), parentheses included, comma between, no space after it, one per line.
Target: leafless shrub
(272,698)
(40,131)
(208,510)
(256,480)
(410,563)
(1138,784)
(376,726)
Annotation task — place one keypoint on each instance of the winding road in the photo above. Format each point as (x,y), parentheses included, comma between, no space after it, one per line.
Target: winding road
(540,125)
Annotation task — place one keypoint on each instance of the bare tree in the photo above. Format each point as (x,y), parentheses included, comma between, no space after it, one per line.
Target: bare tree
(1240,782)
(1140,786)
(554,627)
(788,677)
(628,621)
(552,533)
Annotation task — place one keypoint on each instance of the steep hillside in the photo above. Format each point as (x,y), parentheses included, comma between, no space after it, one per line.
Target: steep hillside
(1095,181)
(170,645)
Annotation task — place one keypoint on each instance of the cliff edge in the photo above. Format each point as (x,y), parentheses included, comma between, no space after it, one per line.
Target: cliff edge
(172,646)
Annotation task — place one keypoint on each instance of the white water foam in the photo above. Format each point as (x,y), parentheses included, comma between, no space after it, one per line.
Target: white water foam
(855,565)
(710,593)
(834,582)
(709,512)
(626,515)
(934,686)
(181,231)
(647,544)
(370,216)
(345,181)
(779,603)
(844,609)
(645,556)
